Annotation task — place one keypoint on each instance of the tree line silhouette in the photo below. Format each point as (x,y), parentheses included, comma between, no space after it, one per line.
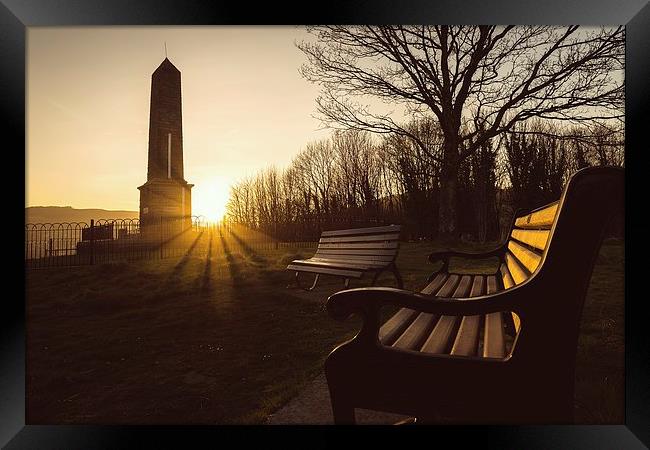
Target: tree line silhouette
(355,178)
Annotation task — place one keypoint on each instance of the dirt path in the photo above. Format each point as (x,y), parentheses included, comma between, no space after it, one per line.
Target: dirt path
(313,407)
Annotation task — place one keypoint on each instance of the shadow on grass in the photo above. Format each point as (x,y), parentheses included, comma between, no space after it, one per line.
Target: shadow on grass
(264,266)
(233,266)
(252,254)
(178,268)
(206,280)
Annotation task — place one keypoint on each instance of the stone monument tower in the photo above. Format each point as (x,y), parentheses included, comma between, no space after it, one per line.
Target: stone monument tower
(166,194)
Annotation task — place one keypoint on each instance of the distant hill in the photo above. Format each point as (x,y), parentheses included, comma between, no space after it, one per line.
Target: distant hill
(58,214)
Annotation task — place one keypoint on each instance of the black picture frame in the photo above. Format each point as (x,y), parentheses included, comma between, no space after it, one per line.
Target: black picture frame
(17,15)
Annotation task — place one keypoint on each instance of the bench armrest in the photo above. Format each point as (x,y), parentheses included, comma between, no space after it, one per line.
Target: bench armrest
(368,301)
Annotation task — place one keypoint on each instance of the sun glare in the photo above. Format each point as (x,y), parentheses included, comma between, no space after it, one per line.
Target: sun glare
(209,198)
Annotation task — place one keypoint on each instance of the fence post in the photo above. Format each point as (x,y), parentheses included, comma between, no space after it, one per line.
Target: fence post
(161,237)
(92,241)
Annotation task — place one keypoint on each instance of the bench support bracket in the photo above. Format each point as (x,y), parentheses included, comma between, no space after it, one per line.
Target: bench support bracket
(393,269)
(316,278)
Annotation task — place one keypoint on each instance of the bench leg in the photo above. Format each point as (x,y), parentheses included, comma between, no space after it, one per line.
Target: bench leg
(398,277)
(315,282)
(343,411)
(297,282)
(300,286)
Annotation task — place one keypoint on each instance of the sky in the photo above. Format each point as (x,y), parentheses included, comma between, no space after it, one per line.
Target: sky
(245,107)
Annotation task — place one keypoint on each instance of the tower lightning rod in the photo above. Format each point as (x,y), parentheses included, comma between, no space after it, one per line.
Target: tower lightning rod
(165,49)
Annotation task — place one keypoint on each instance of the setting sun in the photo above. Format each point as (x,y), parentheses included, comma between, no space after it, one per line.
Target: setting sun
(209,198)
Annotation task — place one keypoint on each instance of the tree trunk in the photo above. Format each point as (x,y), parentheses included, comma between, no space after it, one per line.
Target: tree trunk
(448,206)
(448,214)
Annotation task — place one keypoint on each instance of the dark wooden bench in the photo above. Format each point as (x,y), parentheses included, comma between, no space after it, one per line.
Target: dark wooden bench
(352,253)
(472,348)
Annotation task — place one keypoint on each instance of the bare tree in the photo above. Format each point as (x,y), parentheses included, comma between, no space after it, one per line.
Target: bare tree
(240,206)
(538,162)
(317,165)
(477,81)
(483,191)
(357,169)
(416,175)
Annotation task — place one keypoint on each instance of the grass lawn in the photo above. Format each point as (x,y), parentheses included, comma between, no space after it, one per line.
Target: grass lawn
(215,337)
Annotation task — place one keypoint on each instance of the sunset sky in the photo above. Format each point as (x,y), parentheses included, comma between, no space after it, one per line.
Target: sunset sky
(245,106)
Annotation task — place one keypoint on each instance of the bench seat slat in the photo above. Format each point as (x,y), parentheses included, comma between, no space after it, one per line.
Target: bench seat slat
(467,337)
(361,245)
(508,282)
(368,262)
(448,287)
(494,342)
(435,284)
(396,325)
(416,332)
(492,287)
(355,231)
(335,264)
(378,258)
(438,340)
(364,238)
(373,252)
(325,270)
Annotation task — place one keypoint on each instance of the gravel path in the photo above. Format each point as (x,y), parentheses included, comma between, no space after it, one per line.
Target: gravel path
(312,407)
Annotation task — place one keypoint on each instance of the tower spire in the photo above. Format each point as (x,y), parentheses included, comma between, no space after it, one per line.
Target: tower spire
(166,193)
(165,49)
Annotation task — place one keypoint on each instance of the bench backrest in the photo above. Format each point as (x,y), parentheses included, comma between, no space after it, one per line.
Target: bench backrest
(553,249)
(528,241)
(375,244)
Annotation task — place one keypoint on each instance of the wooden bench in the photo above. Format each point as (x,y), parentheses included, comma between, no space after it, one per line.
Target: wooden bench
(352,253)
(472,348)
